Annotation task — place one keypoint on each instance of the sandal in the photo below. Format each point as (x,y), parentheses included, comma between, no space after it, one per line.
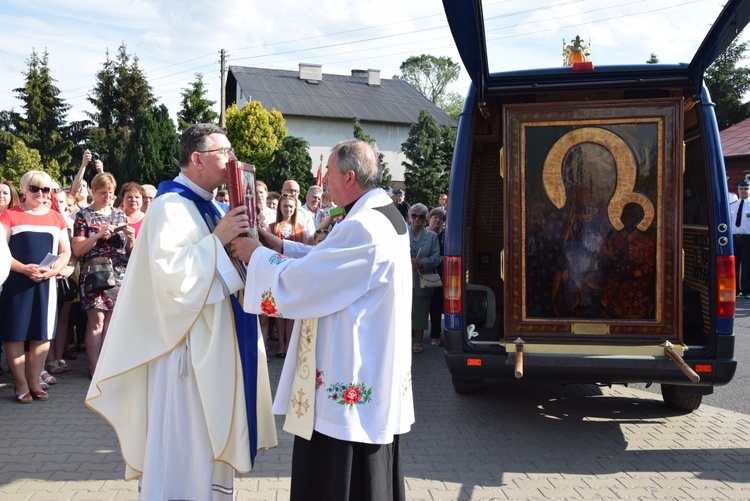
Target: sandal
(42,384)
(64,365)
(24,398)
(40,395)
(54,367)
(47,378)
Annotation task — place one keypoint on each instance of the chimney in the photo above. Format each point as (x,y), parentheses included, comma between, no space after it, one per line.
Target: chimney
(312,73)
(373,78)
(359,73)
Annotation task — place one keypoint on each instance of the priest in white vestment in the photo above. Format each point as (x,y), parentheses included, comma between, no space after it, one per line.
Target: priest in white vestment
(182,376)
(349,419)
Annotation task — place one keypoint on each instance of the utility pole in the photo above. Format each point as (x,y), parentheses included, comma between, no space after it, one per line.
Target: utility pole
(223,101)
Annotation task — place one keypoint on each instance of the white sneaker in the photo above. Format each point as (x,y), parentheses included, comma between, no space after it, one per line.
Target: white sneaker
(435,341)
(416,347)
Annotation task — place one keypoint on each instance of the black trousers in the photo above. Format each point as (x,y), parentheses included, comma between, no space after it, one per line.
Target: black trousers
(742,263)
(325,468)
(436,312)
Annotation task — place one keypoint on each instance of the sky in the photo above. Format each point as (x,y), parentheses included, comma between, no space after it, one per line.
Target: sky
(174,40)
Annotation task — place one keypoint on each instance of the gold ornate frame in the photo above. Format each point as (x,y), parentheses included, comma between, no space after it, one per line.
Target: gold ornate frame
(593,217)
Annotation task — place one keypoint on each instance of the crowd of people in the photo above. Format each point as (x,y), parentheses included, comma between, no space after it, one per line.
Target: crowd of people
(88,233)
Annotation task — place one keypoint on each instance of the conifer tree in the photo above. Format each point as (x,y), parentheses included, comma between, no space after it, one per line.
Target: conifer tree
(292,161)
(121,91)
(359,133)
(195,107)
(429,151)
(152,150)
(44,115)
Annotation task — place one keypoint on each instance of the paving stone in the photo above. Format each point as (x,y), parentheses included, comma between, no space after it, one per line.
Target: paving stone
(520,440)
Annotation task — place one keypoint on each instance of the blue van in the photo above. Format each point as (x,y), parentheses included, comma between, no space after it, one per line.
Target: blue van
(587,233)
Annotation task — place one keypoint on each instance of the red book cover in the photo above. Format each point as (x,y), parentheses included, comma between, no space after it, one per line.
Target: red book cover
(241,190)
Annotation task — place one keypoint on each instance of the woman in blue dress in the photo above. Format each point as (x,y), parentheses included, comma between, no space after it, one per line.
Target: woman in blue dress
(28,303)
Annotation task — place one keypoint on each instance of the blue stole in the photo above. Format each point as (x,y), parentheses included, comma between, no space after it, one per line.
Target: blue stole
(246,324)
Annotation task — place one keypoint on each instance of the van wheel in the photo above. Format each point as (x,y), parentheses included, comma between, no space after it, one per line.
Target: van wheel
(466,386)
(678,400)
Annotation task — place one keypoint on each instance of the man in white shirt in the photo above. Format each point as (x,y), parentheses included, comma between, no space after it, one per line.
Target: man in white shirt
(739,221)
(314,200)
(360,353)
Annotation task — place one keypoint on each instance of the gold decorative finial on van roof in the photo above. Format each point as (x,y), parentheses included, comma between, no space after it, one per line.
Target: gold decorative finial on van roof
(577,51)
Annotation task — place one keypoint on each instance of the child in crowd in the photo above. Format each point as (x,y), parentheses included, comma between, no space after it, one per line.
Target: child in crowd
(273,199)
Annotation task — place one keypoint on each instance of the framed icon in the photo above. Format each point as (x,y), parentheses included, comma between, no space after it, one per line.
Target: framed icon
(593,220)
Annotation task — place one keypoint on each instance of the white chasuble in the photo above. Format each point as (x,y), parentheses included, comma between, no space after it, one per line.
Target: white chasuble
(357,284)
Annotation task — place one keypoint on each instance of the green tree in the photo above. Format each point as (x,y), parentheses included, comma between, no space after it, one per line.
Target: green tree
(727,83)
(255,134)
(105,97)
(195,107)
(20,159)
(453,103)
(430,75)
(44,115)
(654,59)
(152,150)
(359,133)
(120,92)
(111,148)
(8,133)
(292,161)
(429,150)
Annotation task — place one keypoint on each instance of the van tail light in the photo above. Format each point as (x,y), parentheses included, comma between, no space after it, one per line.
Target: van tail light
(725,285)
(452,303)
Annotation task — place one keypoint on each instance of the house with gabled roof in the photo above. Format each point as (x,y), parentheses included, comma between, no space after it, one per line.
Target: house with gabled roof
(321,107)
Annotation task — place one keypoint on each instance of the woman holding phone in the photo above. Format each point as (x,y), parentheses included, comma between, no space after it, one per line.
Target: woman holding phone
(101,231)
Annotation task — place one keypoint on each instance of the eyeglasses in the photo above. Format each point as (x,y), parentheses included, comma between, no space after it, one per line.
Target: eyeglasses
(224,150)
(287,195)
(417,216)
(37,189)
(322,231)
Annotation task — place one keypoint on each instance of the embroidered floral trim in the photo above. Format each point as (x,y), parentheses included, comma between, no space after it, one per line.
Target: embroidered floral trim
(319,379)
(268,304)
(308,333)
(350,394)
(406,384)
(277,258)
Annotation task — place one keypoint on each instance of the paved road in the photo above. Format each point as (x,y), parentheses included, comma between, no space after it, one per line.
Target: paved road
(518,441)
(736,395)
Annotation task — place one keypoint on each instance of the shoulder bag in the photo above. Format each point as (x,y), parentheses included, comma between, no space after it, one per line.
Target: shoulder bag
(98,275)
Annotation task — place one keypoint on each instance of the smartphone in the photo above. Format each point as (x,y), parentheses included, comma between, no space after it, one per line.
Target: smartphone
(337,211)
(119,228)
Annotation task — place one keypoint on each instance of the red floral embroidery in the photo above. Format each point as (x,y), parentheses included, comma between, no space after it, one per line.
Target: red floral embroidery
(350,394)
(268,304)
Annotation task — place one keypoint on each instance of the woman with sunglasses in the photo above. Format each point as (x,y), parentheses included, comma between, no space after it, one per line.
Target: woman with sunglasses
(425,256)
(28,304)
(286,227)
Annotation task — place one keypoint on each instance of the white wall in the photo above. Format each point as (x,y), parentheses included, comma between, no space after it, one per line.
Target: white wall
(323,134)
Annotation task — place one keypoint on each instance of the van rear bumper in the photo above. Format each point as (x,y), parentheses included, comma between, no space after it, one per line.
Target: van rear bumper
(604,369)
